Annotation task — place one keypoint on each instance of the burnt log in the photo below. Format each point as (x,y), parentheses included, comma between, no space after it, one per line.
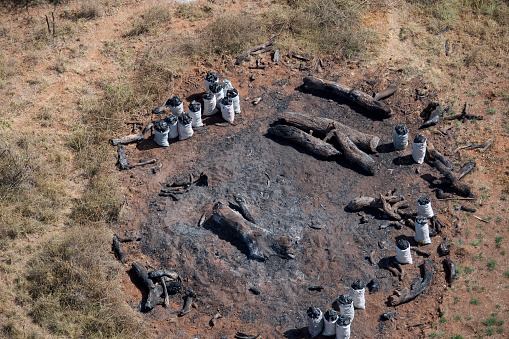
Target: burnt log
(241,203)
(366,142)
(190,296)
(251,235)
(157,274)
(119,254)
(433,112)
(122,159)
(390,90)
(449,177)
(359,203)
(126,140)
(435,155)
(465,169)
(409,295)
(312,144)
(463,115)
(353,154)
(154,291)
(142,275)
(450,270)
(378,108)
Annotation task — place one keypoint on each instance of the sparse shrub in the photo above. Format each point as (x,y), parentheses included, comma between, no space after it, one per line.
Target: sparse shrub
(89,10)
(474,301)
(491,264)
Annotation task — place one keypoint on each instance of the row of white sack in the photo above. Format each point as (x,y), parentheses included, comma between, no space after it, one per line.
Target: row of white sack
(400,141)
(175,128)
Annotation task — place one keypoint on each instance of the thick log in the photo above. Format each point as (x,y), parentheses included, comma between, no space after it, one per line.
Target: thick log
(128,139)
(142,275)
(412,294)
(452,179)
(190,296)
(359,203)
(122,159)
(312,144)
(156,274)
(355,155)
(251,235)
(450,270)
(153,297)
(390,90)
(254,49)
(378,108)
(364,141)
(434,154)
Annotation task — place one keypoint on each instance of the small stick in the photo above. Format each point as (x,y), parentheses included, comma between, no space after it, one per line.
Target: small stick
(142,163)
(419,251)
(166,297)
(481,219)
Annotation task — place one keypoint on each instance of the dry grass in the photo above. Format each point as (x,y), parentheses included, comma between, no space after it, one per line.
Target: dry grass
(149,20)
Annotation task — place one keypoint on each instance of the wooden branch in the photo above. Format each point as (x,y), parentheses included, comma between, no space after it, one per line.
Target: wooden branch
(254,49)
(166,297)
(435,155)
(312,144)
(450,270)
(241,203)
(263,50)
(420,252)
(122,159)
(277,57)
(302,57)
(434,116)
(190,296)
(126,140)
(366,142)
(451,178)
(465,169)
(463,115)
(251,235)
(378,108)
(355,155)
(486,145)
(157,274)
(386,207)
(412,294)
(359,203)
(390,90)
(119,254)
(142,163)
(154,291)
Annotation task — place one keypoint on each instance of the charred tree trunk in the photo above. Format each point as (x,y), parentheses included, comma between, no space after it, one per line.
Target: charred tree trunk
(412,294)
(366,142)
(355,155)
(378,108)
(451,179)
(126,140)
(312,144)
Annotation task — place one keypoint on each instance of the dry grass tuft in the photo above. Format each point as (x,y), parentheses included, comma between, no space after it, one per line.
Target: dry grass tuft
(149,20)
(72,281)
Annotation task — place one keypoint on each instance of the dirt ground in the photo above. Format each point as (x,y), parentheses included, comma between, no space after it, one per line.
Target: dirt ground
(293,193)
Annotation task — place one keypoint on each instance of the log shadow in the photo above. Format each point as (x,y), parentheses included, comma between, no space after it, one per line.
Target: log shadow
(405,160)
(374,212)
(196,97)
(226,234)
(144,292)
(149,143)
(341,161)
(298,333)
(386,148)
(385,262)
(213,119)
(339,100)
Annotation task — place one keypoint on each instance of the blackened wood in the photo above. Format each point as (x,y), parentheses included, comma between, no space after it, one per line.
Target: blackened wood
(390,90)
(364,141)
(119,254)
(254,237)
(436,155)
(378,108)
(459,187)
(353,154)
(122,159)
(359,203)
(128,139)
(409,295)
(156,274)
(142,275)
(312,144)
